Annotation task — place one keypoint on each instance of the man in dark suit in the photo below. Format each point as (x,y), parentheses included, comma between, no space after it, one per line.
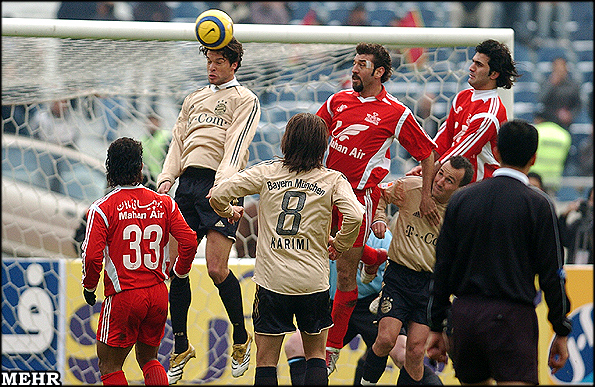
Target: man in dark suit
(496,236)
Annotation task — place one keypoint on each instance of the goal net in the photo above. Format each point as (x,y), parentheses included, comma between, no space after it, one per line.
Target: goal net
(69,88)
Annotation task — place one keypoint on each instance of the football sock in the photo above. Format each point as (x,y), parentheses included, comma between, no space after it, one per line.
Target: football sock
(114,379)
(359,370)
(180,296)
(231,295)
(343,306)
(430,378)
(297,370)
(266,376)
(372,256)
(405,379)
(154,374)
(316,373)
(373,367)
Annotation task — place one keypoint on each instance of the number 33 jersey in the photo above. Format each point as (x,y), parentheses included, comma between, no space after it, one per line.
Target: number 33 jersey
(294,215)
(128,231)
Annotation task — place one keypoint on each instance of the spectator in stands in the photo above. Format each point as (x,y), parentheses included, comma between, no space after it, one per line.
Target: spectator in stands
(585,156)
(577,235)
(106,11)
(157,11)
(312,18)
(358,16)
(155,146)
(239,11)
(552,18)
(77,10)
(552,152)
(518,16)
(560,99)
(270,12)
(585,148)
(58,126)
(472,14)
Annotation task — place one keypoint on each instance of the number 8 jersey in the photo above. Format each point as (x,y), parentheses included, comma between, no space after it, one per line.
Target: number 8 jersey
(294,219)
(128,229)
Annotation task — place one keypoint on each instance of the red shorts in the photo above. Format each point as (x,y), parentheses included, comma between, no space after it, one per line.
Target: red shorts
(369,198)
(134,315)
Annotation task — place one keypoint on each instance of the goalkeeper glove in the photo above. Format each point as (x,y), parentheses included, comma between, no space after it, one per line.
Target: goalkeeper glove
(89,296)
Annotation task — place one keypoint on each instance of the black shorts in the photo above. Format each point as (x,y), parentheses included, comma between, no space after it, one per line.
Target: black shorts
(272,313)
(405,294)
(193,187)
(362,322)
(494,339)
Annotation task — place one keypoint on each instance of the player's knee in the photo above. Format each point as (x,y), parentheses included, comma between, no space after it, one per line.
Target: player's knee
(293,346)
(384,343)
(217,274)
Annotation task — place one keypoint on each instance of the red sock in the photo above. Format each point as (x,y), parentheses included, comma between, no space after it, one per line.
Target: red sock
(114,379)
(154,374)
(343,306)
(372,256)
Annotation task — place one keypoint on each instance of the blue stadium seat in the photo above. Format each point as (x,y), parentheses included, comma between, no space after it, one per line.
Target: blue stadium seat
(582,14)
(299,9)
(583,50)
(381,16)
(548,54)
(525,95)
(338,16)
(522,52)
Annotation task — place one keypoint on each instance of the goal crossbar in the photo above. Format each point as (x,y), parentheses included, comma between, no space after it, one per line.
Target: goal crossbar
(264,33)
(258,33)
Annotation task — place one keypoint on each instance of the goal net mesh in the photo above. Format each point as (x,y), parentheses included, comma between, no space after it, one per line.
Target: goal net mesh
(113,88)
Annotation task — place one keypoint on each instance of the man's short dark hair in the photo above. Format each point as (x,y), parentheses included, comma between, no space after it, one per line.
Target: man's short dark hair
(233,52)
(500,61)
(381,58)
(517,142)
(124,163)
(460,162)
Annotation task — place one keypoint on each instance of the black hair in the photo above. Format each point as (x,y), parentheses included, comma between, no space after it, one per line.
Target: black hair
(381,58)
(500,61)
(517,142)
(124,163)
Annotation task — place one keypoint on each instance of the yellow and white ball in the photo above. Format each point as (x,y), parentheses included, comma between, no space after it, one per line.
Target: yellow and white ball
(214,29)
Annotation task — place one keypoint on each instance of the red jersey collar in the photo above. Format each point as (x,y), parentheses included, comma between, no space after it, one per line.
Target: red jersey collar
(380,96)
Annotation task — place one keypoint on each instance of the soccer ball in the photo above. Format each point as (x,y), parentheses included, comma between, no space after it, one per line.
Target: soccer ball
(214,29)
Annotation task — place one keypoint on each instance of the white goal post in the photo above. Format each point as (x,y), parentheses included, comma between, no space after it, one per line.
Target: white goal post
(265,33)
(116,75)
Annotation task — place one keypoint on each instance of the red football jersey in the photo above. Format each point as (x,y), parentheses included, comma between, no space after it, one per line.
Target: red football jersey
(129,228)
(362,131)
(471,130)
